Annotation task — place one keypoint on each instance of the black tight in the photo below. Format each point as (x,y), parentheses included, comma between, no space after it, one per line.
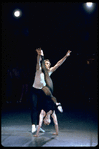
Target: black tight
(48,89)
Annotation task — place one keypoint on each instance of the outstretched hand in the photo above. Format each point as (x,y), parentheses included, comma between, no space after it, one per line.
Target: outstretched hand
(55,133)
(40,52)
(68,53)
(36,135)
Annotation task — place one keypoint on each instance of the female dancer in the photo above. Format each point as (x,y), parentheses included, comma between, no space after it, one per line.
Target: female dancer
(47,108)
(48,89)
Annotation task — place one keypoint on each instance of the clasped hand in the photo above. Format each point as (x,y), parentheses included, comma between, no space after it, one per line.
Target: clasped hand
(68,53)
(40,52)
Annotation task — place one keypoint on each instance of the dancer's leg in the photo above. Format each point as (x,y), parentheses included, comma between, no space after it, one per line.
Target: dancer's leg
(48,80)
(34,109)
(33,101)
(48,93)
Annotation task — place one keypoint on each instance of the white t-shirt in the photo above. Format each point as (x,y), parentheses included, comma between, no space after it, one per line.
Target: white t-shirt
(39,81)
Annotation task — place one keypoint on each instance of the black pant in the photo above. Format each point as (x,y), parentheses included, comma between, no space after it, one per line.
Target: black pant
(36,97)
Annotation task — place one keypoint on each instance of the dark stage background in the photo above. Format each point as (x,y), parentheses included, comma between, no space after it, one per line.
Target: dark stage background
(56,28)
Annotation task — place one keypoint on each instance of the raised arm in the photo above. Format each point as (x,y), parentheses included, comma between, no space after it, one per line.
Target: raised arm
(55,122)
(38,65)
(41,116)
(60,62)
(39,52)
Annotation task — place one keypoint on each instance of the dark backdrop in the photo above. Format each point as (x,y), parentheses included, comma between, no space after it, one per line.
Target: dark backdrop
(56,28)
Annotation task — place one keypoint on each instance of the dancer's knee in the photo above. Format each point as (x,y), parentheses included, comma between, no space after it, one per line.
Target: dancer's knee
(46,91)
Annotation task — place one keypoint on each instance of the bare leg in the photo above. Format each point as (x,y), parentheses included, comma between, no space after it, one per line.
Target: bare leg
(48,93)
(55,122)
(42,114)
(47,77)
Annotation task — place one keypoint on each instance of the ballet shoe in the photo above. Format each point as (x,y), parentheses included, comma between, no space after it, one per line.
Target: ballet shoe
(60,108)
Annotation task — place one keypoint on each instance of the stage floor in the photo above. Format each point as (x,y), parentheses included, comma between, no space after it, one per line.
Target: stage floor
(76,128)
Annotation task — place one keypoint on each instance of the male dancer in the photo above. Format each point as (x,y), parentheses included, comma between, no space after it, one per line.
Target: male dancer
(39,83)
